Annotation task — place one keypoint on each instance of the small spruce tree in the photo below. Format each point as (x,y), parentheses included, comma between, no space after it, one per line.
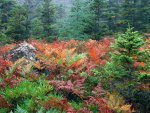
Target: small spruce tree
(129,69)
(128,57)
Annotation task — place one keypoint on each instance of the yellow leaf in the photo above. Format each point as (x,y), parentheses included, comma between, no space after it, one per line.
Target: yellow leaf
(125,108)
(38,66)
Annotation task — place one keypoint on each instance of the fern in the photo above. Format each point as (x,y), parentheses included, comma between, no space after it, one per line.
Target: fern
(75,58)
(4,103)
(54,111)
(4,65)
(20,110)
(3,110)
(14,67)
(27,94)
(117,103)
(42,110)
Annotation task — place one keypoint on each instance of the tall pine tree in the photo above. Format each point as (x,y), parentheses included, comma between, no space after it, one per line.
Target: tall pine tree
(37,28)
(99,8)
(31,6)
(80,19)
(5,8)
(136,13)
(48,18)
(17,24)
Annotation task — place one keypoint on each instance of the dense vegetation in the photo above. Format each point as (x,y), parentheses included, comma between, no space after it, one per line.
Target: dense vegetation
(78,77)
(92,57)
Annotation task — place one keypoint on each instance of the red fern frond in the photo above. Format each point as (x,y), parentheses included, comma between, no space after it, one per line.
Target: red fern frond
(98,90)
(62,104)
(84,110)
(93,55)
(3,103)
(100,102)
(4,65)
(5,49)
(76,87)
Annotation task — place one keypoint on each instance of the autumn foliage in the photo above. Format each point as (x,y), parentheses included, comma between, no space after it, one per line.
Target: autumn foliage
(68,66)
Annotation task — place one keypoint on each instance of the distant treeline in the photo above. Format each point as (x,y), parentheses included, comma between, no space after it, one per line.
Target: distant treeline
(86,18)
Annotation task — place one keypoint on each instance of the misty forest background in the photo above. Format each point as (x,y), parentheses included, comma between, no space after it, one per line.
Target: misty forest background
(66,19)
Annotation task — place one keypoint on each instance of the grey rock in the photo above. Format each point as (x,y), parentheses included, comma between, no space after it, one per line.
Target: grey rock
(25,50)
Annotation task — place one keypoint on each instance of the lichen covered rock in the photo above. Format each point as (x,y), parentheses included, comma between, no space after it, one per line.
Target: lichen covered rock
(24,49)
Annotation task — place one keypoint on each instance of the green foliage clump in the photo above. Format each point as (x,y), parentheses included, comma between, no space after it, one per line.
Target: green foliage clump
(5,40)
(76,106)
(41,110)
(27,94)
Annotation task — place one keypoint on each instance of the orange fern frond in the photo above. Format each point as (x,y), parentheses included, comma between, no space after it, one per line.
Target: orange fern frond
(78,63)
(93,55)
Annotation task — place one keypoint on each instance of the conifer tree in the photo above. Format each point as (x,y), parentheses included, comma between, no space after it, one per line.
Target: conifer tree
(61,12)
(31,7)
(48,18)
(17,24)
(98,8)
(5,8)
(129,68)
(80,18)
(28,7)
(36,28)
(128,57)
(136,13)
(143,15)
